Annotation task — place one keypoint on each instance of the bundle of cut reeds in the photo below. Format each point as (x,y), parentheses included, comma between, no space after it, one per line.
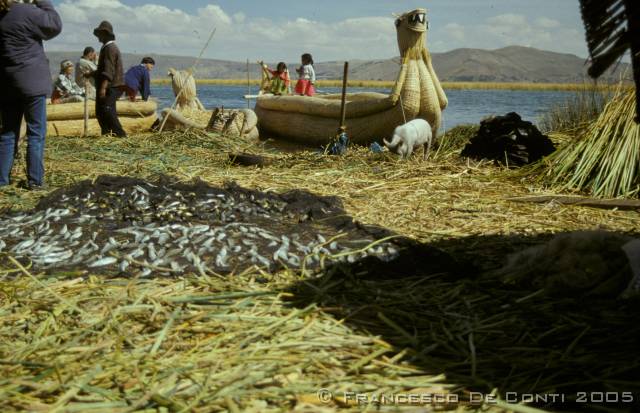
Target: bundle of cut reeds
(605,160)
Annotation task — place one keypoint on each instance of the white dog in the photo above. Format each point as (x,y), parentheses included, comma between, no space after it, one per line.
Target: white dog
(410,136)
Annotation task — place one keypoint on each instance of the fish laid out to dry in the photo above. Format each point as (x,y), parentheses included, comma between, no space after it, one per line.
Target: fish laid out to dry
(118,225)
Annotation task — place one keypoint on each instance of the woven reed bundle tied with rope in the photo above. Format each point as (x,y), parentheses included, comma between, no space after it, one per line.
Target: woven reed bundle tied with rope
(184,88)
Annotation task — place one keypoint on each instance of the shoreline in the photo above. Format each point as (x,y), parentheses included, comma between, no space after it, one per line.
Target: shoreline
(446,85)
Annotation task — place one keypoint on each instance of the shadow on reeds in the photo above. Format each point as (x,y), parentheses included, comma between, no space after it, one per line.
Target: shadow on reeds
(484,334)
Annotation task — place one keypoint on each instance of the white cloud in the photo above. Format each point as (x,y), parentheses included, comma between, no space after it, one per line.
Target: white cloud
(507,20)
(455,31)
(511,29)
(154,28)
(547,23)
(239,17)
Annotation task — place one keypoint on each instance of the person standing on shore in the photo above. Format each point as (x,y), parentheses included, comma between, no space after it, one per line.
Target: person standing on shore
(26,83)
(85,72)
(109,81)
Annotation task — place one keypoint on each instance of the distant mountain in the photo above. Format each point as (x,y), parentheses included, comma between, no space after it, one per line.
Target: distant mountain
(509,64)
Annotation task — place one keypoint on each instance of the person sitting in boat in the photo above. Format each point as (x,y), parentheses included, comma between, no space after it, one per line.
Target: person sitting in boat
(85,71)
(279,79)
(306,76)
(138,79)
(65,88)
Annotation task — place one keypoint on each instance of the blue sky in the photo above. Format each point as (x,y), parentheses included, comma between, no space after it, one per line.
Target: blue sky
(330,29)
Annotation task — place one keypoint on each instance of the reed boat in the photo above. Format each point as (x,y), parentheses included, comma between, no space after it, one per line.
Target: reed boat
(369,116)
(67,119)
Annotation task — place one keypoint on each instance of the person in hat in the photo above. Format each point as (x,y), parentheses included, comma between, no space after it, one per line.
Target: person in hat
(85,71)
(109,81)
(138,79)
(65,89)
(26,83)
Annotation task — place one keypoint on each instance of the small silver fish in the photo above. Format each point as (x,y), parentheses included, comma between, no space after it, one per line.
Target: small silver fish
(103,262)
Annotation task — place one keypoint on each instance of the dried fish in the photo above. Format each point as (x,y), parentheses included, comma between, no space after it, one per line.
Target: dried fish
(103,261)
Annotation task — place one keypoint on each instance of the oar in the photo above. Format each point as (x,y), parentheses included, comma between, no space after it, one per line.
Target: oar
(248,85)
(343,106)
(341,141)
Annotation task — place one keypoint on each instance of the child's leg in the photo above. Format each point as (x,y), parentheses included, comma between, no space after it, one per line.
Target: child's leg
(310,89)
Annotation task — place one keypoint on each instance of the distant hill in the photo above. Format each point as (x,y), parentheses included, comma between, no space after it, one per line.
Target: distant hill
(509,64)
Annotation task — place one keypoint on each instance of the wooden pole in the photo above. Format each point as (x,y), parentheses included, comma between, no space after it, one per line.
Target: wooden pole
(248,85)
(85,132)
(343,105)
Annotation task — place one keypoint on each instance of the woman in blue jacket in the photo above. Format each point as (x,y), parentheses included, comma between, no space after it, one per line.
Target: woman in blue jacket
(26,82)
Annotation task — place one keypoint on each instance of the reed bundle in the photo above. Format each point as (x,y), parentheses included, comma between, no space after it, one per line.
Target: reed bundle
(605,159)
(184,87)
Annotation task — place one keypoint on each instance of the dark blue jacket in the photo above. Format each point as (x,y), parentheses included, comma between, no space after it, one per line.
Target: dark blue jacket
(24,68)
(138,79)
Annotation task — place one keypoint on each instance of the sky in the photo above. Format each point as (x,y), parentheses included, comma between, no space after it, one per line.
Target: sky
(328,29)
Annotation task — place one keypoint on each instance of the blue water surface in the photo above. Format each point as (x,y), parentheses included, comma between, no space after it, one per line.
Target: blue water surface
(465,106)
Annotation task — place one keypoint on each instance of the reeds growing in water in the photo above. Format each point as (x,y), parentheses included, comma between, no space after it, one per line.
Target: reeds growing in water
(578,111)
(387,84)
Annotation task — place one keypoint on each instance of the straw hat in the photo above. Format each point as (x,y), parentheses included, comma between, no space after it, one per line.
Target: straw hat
(103,27)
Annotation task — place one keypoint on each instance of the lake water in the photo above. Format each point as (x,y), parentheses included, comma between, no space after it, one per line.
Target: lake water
(465,106)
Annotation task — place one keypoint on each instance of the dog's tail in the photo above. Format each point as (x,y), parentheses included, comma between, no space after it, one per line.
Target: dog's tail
(394,142)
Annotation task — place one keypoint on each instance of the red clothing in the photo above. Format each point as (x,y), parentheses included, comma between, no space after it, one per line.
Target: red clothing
(56,96)
(305,87)
(282,76)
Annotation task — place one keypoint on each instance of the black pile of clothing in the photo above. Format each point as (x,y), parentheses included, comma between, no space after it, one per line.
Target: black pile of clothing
(508,140)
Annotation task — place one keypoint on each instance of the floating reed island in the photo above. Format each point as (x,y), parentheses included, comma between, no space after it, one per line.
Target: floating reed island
(440,322)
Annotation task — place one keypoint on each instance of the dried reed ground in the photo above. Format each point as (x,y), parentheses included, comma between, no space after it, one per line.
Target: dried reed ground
(76,343)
